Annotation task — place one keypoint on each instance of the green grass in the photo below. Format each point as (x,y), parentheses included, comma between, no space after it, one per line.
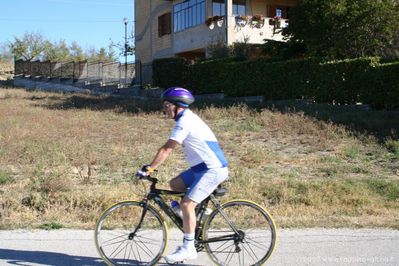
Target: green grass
(51,226)
(6,177)
(66,158)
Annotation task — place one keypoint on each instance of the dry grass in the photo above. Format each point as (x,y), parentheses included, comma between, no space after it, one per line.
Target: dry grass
(6,70)
(65,158)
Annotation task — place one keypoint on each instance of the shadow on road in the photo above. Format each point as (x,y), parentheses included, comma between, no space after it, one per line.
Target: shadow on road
(21,257)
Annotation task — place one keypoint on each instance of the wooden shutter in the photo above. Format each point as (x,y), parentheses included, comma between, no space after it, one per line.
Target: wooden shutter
(271,11)
(165,24)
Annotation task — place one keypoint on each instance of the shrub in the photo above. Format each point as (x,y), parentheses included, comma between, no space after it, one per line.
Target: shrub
(168,72)
(339,82)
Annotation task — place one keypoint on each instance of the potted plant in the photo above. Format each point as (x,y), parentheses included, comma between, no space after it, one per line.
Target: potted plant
(241,20)
(211,21)
(276,23)
(258,21)
(218,20)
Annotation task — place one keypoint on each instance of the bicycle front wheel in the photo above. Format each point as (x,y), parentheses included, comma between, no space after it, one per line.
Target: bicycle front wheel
(124,237)
(241,233)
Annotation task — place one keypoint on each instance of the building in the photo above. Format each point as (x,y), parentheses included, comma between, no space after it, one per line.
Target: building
(187,28)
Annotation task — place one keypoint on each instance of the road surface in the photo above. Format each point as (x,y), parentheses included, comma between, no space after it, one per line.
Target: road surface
(295,247)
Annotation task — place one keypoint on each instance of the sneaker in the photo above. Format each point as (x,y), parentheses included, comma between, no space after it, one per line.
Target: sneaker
(180,255)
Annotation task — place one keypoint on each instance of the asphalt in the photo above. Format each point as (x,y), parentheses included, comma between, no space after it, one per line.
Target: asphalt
(295,247)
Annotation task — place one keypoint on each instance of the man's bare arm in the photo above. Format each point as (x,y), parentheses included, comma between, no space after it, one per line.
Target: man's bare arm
(163,153)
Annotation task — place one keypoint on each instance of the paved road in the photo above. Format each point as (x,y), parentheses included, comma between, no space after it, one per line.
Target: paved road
(295,247)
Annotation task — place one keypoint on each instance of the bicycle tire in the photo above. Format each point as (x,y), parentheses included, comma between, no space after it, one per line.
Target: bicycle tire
(116,224)
(253,222)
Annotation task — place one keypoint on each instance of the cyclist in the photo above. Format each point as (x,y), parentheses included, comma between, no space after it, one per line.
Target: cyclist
(208,166)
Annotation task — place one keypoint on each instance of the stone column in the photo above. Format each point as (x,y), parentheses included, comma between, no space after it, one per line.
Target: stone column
(228,20)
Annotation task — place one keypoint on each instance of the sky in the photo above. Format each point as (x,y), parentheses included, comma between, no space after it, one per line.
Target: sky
(91,23)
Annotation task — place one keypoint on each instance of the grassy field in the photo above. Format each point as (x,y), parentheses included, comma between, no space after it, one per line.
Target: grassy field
(6,70)
(65,158)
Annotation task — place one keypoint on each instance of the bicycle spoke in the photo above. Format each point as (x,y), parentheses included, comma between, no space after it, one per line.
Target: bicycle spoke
(118,248)
(251,251)
(255,243)
(254,234)
(222,251)
(113,243)
(230,255)
(146,248)
(115,239)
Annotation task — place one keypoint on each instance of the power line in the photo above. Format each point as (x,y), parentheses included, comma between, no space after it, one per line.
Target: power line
(59,21)
(90,2)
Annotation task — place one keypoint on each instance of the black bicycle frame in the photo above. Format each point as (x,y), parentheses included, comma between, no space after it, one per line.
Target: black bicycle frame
(155,194)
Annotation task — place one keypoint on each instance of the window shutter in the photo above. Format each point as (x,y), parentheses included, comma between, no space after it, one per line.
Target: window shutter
(271,11)
(160,26)
(164,24)
(168,23)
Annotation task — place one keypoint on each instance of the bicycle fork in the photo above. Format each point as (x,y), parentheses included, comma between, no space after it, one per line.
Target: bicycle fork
(145,208)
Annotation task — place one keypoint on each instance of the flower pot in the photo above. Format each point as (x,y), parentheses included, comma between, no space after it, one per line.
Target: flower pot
(219,23)
(241,21)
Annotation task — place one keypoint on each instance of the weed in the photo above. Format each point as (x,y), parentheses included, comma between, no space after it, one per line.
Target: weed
(51,226)
(49,181)
(388,189)
(6,177)
(352,152)
(393,147)
(73,155)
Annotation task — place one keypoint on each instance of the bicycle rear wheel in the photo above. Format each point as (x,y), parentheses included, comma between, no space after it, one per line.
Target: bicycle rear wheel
(122,239)
(243,233)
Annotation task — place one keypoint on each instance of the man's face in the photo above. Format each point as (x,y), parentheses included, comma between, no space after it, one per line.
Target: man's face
(169,109)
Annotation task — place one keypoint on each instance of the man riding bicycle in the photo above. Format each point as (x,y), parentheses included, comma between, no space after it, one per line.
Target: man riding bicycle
(208,166)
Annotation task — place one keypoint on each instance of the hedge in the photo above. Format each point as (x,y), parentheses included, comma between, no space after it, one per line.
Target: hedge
(168,72)
(341,82)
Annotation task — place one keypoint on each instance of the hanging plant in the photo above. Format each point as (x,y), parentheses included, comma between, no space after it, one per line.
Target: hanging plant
(258,21)
(276,24)
(241,21)
(211,21)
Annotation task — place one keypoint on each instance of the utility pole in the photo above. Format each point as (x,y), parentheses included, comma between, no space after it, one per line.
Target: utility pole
(125,21)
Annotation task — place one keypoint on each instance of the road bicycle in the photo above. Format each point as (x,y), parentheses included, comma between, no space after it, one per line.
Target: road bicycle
(237,232)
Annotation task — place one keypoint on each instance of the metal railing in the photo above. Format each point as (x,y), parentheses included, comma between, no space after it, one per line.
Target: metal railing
(84,72)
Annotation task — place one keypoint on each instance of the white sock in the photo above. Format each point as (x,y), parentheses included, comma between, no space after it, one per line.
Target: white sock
(188,242)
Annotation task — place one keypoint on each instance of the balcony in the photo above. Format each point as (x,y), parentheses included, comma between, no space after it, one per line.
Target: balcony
(252,30)
(255,29)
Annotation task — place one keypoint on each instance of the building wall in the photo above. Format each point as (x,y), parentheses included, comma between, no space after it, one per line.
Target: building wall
(260,6)
(149,45)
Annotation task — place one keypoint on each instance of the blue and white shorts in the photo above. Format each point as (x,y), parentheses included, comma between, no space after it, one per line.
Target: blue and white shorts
(201,184)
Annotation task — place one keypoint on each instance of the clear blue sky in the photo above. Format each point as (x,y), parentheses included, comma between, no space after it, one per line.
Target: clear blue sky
(91,23)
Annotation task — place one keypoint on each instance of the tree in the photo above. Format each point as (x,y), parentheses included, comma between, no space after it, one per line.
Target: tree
(5,52)
(56,51)
(76,52)
(339,29)
(30,47)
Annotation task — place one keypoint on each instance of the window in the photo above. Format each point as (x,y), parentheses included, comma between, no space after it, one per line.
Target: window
(278,11)
(164,24)
(188,14)
(239,7)
(218,7)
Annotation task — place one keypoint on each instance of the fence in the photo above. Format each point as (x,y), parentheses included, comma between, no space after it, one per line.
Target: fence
(84,71)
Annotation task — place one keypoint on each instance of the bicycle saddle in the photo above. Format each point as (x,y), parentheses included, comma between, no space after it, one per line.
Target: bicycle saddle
(220,191)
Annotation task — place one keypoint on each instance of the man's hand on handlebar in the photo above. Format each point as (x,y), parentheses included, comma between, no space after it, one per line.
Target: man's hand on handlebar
(144,172)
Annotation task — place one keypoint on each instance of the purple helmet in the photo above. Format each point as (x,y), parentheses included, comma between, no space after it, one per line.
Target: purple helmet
(179,96)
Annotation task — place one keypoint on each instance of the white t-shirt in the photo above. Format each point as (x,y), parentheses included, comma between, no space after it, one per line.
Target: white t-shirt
(201,148)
